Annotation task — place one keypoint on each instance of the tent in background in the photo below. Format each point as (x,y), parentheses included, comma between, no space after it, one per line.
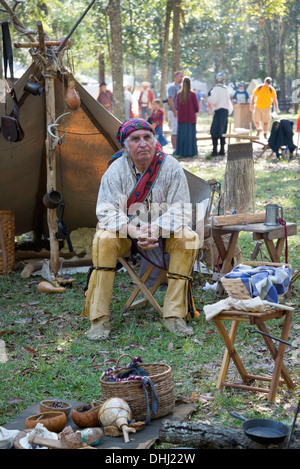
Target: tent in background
(82,157)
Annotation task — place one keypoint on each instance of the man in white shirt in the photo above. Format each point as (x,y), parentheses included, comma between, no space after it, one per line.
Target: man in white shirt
(219,98)
(143,203)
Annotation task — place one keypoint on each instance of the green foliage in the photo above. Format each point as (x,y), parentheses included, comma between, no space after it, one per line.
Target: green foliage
(214,35)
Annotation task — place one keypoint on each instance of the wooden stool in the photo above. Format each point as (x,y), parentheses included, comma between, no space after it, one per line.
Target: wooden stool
(259,319)
(140,286)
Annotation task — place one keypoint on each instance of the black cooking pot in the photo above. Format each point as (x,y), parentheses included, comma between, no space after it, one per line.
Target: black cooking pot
(263,431)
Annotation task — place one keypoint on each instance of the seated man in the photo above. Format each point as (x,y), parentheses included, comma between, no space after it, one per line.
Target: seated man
(143,204)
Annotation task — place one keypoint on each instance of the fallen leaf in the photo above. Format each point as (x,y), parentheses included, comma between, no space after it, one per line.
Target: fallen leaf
(30,350)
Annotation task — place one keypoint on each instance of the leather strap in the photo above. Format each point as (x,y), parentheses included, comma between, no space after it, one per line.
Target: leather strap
(7,51)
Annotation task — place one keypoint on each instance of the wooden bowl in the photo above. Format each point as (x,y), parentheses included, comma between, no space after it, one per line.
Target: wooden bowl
(86,415)
(55,405)
(53,421)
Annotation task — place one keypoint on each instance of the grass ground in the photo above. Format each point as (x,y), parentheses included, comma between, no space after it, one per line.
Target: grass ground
(49,356)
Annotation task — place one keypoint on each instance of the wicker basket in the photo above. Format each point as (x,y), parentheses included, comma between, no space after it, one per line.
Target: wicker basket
(235,286)
(133,393)
(7,241)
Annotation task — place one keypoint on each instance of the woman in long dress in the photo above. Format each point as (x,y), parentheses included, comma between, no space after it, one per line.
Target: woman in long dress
(187,108)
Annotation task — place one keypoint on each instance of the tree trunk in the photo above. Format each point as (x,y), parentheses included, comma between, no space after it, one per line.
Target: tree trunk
(176,36)
(203,436)
(270,48)
(281,40)
(114,13)
(132,42)
(101,61)
(296,50)
(164,60)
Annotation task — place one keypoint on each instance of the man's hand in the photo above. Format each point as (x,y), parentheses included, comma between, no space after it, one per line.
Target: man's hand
(147,236)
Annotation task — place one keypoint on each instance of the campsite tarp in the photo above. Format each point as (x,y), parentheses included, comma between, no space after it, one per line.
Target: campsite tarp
(82,158)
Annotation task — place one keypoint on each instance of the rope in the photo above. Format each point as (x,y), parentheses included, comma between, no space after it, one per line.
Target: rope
(107,269)
(191,305)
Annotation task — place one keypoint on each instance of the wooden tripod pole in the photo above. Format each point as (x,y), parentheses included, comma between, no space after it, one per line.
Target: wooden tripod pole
(50,75)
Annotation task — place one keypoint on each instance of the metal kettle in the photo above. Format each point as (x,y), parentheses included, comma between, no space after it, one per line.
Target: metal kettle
(272,214)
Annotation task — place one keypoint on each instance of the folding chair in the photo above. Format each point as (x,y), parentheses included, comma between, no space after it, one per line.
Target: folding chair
(141,286)
(200,192)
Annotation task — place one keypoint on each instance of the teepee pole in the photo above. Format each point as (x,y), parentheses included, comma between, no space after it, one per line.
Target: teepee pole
(50,75)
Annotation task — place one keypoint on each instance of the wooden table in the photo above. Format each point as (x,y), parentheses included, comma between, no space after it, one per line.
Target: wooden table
(277,353)
(273,237)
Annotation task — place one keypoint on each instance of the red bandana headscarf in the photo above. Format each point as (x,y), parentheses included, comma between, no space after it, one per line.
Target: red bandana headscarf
(130,126)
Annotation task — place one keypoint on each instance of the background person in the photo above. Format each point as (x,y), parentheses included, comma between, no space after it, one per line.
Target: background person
(187,108)
(220,100)
(105,97)
(157,121)
(241,95)
(128,100)
(145,100)
(261,105)
(172,106)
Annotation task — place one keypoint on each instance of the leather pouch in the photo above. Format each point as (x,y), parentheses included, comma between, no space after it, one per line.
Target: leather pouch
(11,129)
(10,125)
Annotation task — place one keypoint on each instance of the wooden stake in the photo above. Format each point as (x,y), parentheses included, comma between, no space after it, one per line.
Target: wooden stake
(50,157)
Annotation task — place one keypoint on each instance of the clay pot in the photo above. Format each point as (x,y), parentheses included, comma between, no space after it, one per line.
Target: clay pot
(53,421)
(86,415)
(55,405)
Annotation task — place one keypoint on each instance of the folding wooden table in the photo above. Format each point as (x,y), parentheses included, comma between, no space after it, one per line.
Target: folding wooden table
(277,352)
(269,234)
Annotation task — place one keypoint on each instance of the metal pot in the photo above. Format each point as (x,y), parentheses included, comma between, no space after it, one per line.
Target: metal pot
(33,88)
(52,199)
(263,431)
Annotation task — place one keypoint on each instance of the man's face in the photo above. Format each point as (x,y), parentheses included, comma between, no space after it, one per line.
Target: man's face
(141,146)
(179,78)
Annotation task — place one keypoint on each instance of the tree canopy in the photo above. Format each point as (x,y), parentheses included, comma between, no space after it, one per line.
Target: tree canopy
(247,39)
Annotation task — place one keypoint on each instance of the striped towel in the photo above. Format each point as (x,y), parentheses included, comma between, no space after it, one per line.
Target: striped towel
(268,282)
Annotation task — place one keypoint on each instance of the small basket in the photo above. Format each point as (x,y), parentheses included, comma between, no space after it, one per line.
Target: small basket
(235,286)
(7,241)
(132,391)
